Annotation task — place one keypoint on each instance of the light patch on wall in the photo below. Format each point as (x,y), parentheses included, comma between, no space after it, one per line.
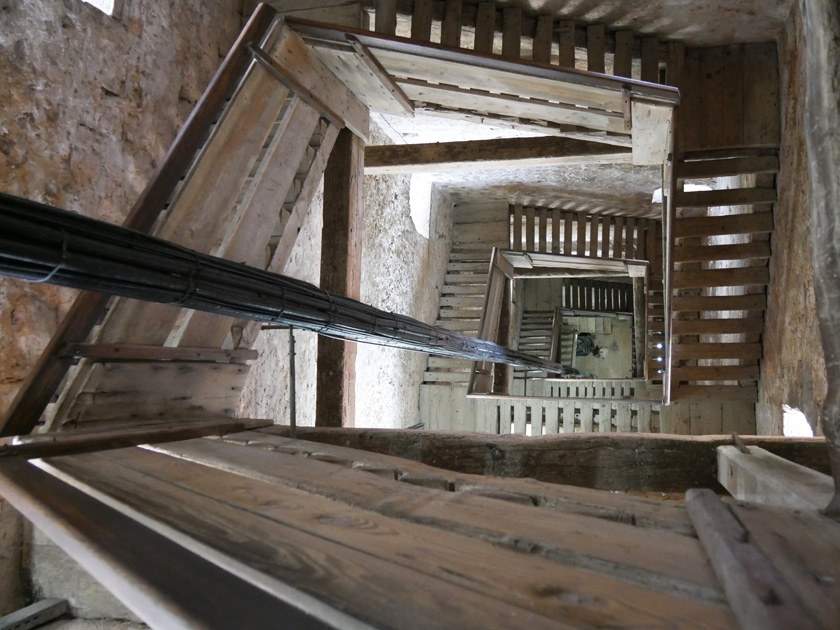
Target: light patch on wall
(109,7)
(795,424)
(687,187)
(420,202)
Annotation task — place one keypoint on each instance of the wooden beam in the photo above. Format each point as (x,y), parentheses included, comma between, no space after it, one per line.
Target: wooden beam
(822,47)
(759,596)
(511,32)
(341,267)
(36,615)
(489,154)
(386,17)
(485,27)
(451,30)
(87,441)
(124,352)
(761,477)
(623,60)
(151,574)
(650,462)
(595,49)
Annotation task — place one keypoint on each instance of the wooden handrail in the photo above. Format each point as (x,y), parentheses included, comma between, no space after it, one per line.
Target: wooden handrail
(49,371)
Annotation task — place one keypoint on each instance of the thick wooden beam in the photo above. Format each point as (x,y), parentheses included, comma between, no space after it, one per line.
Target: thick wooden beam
(646,463)
(822,44)
(489,154)
(761,477)
(87,441)
(156,578)
(341,273)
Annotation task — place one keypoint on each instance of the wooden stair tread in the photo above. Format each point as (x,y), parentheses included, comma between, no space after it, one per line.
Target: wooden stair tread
(751,223)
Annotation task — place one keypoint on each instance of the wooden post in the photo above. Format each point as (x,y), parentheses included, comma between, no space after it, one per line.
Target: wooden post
(341,267)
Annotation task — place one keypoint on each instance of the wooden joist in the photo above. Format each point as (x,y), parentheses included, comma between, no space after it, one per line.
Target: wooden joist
(489,154)
(715,373)
(744,351)
(726,197)
(408,573)
(653,462)
(761,595)
(86,440)
(102,353)
(715,392)
(692,303)
(736,277)
(706,253)
(752,223)
(733,326)
(150,573)
(728,167)
(761,477)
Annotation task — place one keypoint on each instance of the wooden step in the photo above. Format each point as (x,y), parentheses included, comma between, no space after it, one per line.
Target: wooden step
(690,303)
(467,290)
(447,377)
(459,313)
(738,277)
(718,326)
(752,223)
(728,197)
(715,373)
(458,324)
(744,351)
(715,392)
(728,167)
(450,363)
(462,301)
(705,253)
(477,267)
(466,278)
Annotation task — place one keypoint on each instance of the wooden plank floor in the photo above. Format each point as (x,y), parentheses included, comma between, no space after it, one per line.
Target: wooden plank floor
(408,552)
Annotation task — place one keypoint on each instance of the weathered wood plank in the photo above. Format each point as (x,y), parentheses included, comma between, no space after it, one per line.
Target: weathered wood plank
(719,302)
(386,17)
(511,32)
(86,441)
(804,548)
(421,20)
(745,351)
(541,51)
(623,60)
(716,373)
(715,392)
(485,27)
(121,352)
(706,253)
(451,29)
(566,31)
(758,594)
(313,556)
(489,154)
(726,197)
(650,59)
(152,575)
(595,50)
(761,477)
(654,462)
(739,326)
(742,276)
(728,167)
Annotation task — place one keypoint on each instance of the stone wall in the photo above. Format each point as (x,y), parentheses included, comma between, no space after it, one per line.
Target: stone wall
(793,369)
(402,272)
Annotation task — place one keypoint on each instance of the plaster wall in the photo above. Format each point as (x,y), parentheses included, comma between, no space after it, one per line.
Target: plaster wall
(793,368)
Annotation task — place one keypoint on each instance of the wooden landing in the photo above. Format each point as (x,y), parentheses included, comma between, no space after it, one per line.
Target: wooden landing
(394,544)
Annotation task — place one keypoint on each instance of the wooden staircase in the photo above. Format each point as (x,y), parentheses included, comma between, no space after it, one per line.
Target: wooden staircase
(720,276)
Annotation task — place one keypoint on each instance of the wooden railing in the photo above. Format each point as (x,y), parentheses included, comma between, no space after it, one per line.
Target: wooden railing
(556,231)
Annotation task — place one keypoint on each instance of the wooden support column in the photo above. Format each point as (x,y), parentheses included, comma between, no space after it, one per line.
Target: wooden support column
(341,267)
